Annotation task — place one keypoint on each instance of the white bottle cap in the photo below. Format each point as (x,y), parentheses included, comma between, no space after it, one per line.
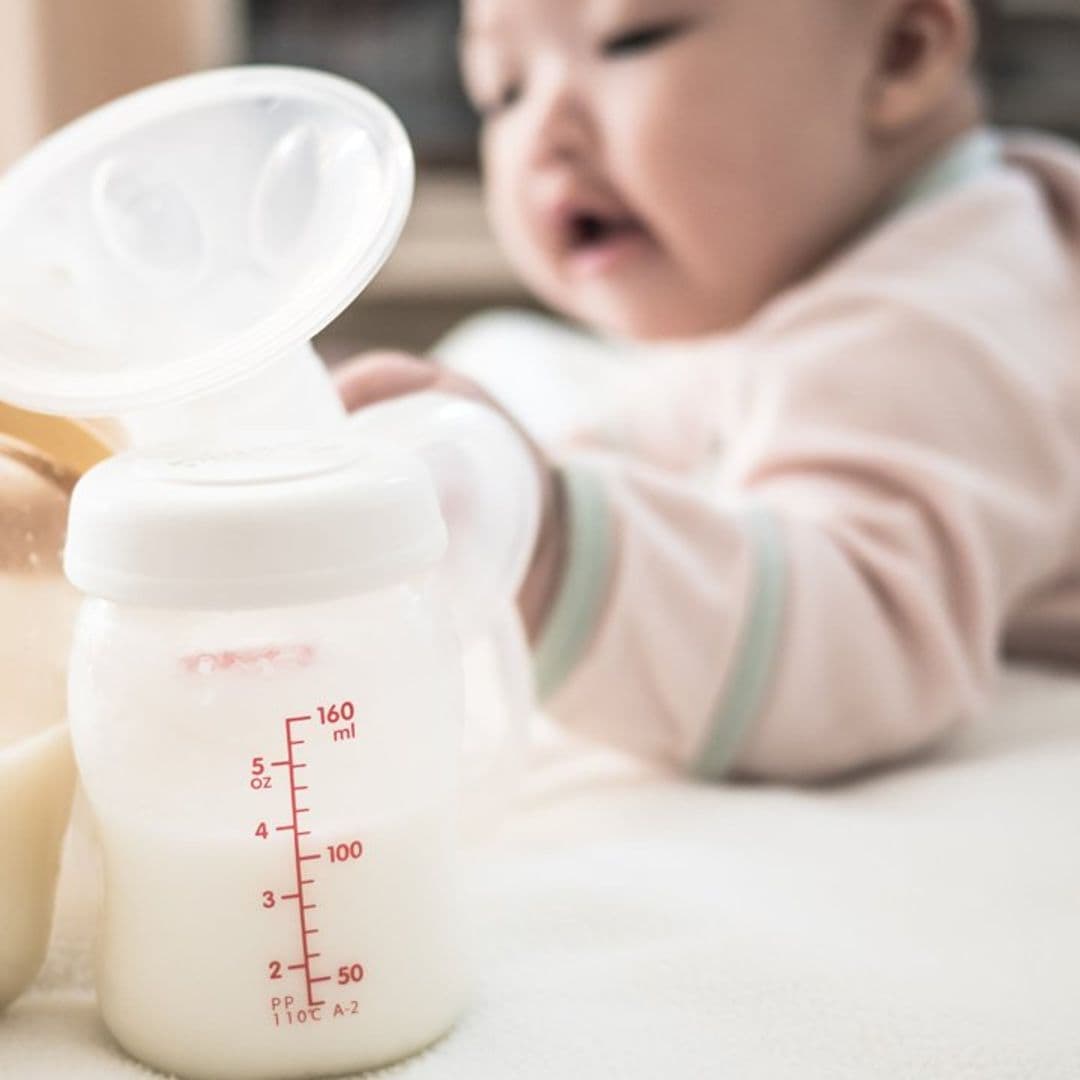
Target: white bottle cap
(252,528)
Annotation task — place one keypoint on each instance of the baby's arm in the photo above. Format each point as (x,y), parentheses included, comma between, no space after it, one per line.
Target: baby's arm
(838,599)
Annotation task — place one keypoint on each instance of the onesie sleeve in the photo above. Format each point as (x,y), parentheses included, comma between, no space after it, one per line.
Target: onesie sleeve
(837,597)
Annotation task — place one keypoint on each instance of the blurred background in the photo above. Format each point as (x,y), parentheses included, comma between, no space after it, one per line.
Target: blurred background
(62,57)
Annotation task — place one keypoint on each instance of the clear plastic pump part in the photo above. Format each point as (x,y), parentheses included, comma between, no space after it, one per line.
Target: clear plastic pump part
(183,237)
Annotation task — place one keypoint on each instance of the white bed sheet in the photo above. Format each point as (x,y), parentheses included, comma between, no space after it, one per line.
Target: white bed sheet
(923,922)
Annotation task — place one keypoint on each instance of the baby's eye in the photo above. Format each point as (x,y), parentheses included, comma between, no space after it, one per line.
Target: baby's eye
(507,98)
(640,39)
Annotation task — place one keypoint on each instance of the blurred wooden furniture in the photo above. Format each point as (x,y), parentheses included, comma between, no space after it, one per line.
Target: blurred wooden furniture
(59,58)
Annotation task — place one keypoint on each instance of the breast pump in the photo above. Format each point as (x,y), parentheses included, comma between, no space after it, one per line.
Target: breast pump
(266,685)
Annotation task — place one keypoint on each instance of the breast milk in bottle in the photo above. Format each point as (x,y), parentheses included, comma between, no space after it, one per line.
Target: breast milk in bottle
(265,704)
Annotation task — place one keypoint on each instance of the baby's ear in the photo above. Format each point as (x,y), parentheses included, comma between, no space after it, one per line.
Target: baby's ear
(924,50)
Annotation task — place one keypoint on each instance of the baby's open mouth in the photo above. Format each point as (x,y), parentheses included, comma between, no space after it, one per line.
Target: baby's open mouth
(589,231)
(596,243)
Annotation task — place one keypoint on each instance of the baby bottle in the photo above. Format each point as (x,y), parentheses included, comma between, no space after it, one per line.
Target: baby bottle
(266,703)
(268,671)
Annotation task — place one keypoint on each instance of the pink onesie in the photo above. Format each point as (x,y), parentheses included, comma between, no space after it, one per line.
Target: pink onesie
(815,538)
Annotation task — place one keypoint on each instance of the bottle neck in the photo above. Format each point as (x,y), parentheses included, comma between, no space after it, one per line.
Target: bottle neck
(291,395)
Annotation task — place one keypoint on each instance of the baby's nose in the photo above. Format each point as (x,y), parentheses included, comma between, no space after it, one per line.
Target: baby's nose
(565,127)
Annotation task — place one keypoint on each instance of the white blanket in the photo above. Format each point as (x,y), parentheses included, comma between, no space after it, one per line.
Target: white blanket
(918,923)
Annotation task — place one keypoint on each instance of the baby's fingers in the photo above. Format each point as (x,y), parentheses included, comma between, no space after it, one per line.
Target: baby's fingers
(377,376)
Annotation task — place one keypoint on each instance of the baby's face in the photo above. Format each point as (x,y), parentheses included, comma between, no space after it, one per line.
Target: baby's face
(660,168)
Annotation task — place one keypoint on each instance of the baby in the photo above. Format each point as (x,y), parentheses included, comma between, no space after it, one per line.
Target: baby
(807,544)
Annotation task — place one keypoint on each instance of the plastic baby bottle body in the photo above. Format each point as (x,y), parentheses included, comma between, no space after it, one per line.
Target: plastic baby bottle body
(275,791)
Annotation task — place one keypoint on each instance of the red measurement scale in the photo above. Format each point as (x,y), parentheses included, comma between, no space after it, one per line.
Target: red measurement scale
(302,907)
(339,723)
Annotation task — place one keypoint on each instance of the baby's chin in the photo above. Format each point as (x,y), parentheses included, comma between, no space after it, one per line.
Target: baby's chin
(653,316)
(647,300)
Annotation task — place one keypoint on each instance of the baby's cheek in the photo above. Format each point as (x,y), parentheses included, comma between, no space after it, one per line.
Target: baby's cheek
(503,195)
(510,225)
(658,147)
(642,119)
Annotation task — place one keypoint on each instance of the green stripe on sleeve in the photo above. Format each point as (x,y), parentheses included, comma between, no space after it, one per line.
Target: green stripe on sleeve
(750,674)
(576,610)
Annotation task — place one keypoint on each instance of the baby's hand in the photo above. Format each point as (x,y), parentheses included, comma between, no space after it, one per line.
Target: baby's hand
(379,376)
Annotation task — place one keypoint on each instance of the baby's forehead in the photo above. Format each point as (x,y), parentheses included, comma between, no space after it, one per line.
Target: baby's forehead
(484,19)
(480,15)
